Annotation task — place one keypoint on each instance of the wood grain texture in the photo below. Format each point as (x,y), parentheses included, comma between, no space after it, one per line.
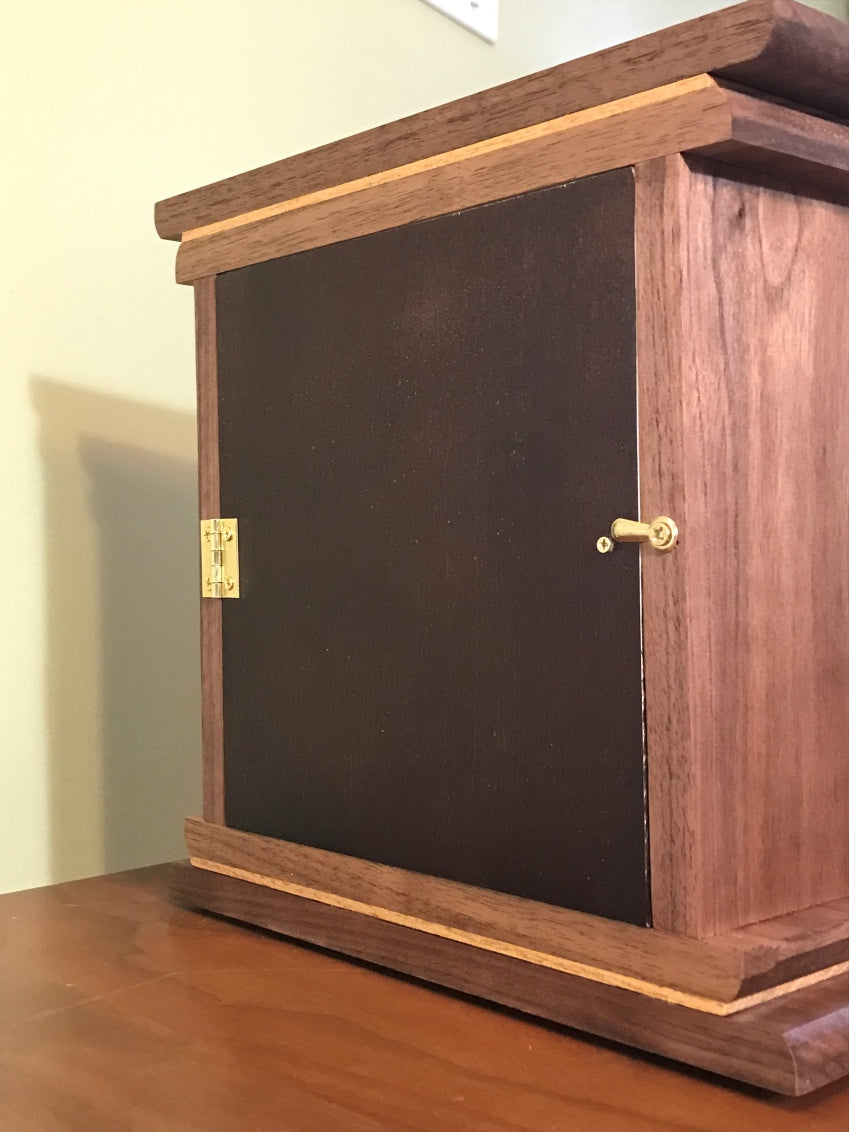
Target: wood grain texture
(663,121)
(537,133)
(120,1010)
(813,153)
(742,316)
(721,969)
(792,942)
(696,116)
(806,47)
(774,46)
(793,1045)
(489,944)
(212,716)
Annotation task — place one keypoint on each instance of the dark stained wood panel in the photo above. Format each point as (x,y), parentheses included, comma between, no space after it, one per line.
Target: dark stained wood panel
(422,434)
(777,47)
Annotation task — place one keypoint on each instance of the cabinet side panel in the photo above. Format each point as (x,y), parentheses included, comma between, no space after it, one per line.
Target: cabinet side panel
(749,771)
(212,721)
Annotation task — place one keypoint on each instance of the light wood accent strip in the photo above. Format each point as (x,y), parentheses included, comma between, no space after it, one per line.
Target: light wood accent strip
(744,408)
(212,715)
(718,969)
(631,950)
(755,134)
(765,136)
(780,49)
(536,132)
(793,1044)
(680,116)
(527,955)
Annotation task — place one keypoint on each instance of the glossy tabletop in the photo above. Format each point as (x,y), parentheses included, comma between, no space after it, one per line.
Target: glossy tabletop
(119,1010)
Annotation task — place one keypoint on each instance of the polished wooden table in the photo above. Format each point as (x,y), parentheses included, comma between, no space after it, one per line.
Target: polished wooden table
(119,1010)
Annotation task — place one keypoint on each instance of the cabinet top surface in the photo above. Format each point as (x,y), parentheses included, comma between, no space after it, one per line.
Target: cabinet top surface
(776,48)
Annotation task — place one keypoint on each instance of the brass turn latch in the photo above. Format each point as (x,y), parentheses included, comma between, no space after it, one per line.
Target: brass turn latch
(661,533)
(219,557)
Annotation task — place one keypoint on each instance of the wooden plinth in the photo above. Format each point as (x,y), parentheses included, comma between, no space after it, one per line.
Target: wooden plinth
(776,1017)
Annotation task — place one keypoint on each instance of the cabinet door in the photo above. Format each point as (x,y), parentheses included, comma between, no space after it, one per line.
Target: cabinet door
(423,433)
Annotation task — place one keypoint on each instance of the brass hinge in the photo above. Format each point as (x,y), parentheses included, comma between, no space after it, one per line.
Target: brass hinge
(219,557)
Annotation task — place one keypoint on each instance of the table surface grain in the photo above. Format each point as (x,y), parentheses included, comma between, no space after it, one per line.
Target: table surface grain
(119,1010)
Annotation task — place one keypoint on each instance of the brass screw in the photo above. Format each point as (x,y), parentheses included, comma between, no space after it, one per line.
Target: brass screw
(604,545)
(229,583)
(664,534)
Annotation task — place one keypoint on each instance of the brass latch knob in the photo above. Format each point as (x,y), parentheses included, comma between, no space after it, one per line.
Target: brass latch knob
(661,533)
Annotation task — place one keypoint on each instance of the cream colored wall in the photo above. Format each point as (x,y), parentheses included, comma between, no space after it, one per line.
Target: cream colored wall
(106,108)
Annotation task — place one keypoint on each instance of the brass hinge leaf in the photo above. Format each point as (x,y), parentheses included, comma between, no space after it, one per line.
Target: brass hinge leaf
(219,557)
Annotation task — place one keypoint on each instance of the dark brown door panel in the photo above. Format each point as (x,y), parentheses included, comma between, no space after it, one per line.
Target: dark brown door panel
(423,433)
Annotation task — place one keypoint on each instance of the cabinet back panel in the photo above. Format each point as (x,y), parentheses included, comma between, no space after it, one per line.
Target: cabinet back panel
(422,433)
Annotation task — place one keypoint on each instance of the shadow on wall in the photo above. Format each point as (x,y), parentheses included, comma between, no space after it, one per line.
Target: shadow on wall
(123,677)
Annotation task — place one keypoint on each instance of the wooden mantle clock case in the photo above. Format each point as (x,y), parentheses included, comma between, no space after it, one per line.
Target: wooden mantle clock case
(465,716)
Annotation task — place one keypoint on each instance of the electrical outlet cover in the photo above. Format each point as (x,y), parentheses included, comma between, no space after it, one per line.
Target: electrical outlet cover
(479,16)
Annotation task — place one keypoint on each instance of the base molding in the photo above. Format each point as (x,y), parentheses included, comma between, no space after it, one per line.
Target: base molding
(530,955)
(791,1037)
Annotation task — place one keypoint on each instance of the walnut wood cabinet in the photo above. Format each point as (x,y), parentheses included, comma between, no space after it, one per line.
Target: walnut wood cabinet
(455,721)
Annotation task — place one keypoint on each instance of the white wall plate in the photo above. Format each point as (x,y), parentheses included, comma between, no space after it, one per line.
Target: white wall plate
(479,16)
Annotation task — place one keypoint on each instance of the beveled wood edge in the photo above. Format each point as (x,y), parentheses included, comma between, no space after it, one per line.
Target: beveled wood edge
(211,651)
(696,116)
(716,971)
(690,114)
(503,142)
(792,1045)
(785,143)
(529,955)
(631,950)
(748,43)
